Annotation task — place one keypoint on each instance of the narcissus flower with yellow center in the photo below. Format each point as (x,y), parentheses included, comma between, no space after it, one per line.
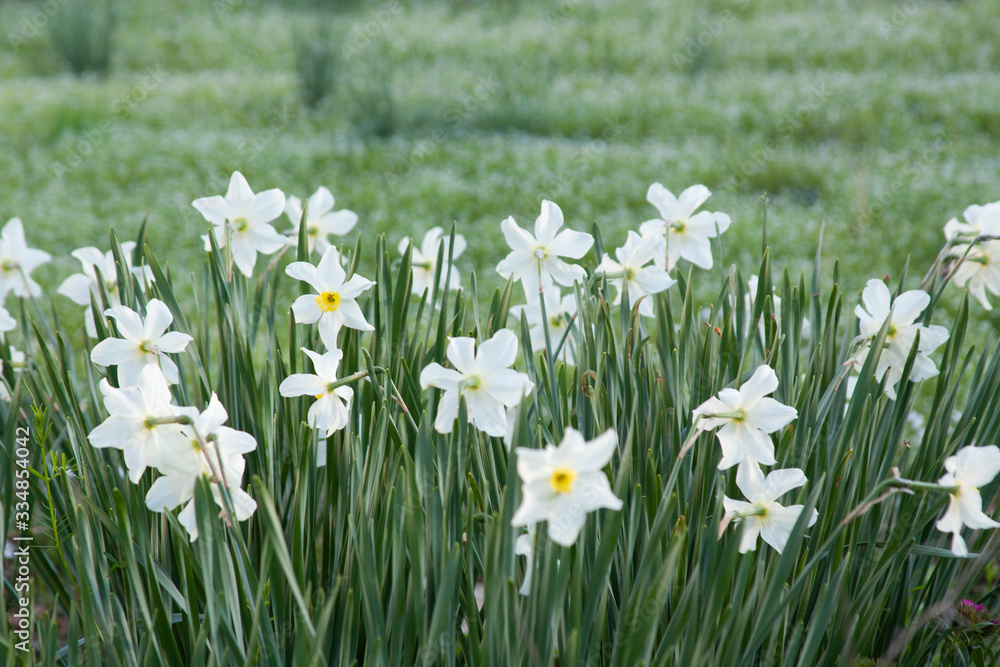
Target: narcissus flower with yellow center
(329,412)
(687,233)
(763,515)
(334,304)
(144,342)
(634,269)
(561,485)
(745,418)
(241,220)
(535,260)
(483,378)
(903,312)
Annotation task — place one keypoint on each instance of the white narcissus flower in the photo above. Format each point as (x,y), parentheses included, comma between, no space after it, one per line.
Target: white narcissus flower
(746,417)
(335,303)
(687,232)
(79,287)
(631,266)
(969,469)
(979,221)
(763,516)
(903,328)
(208,449)
(483,378)
(17,261)
(133,423)
(321,220)
(329,413)
(535,260)
(559,317)
(562,484)
(143,343)
(241,221)
(424,260)
(979,269)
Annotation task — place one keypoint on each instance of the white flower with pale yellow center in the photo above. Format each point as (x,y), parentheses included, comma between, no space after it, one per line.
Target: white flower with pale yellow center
(329,413)
(334,304)
(17,261)
(631,270)
(763,515)
(424,260)
(561,485)
(535,260)
(483,378)
(241,221)
(877,306)
(80,287)
(143,343)
(321,220)
(745,418)
(687,233)
(969,469)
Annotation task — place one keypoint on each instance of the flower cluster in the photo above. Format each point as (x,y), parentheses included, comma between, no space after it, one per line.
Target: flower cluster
(560,484)
(744,419)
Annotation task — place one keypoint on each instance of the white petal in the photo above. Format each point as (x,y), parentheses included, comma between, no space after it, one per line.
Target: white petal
(436,375)
(779,482)
(497,353)
(763,381)
(908,306)
(548,222)
(770,415)
(461,352)
(302,384)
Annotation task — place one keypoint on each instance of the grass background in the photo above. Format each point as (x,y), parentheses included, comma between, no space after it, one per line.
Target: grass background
(877,119)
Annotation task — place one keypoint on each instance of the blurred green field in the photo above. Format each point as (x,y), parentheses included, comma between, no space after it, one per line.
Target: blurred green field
(878,119)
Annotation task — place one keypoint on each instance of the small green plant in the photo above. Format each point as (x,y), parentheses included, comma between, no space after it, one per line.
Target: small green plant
(83,33)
